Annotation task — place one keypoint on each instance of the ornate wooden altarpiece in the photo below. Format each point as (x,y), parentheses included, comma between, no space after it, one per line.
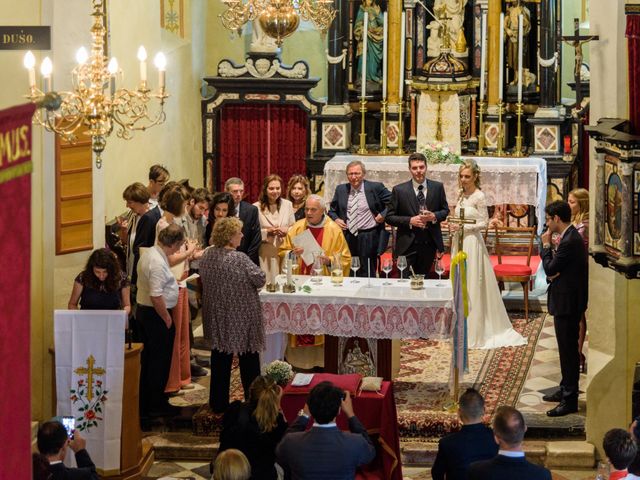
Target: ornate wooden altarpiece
(616,239)
(262,79)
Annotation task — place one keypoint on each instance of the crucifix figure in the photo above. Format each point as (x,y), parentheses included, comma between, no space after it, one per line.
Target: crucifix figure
(576,41)
(90,371)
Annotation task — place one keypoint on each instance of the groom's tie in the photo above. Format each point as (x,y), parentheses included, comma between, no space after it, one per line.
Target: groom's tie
(421,198)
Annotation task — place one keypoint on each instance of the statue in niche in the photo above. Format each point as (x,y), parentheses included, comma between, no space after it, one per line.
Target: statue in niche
(374,40)
(451,11)
(511,32)
(260,41)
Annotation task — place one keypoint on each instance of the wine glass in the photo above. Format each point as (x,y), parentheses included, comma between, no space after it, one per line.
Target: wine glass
(294,262)
(439,269)
(401,263)
(387,266)
(317,267)
(355,266)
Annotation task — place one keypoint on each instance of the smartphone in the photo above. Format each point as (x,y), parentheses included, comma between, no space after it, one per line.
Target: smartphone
(69,423)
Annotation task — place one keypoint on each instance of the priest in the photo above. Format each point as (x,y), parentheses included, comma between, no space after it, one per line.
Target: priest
(307,351)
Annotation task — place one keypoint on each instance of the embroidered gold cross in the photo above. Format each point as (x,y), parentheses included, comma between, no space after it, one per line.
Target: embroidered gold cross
(90,372)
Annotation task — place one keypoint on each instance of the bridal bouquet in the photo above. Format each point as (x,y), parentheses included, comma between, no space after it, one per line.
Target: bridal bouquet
(279,371)
(439,152)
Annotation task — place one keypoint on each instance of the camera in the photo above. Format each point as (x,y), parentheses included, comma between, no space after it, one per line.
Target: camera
(69,423)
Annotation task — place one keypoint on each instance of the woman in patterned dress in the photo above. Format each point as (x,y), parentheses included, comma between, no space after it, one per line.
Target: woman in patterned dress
(231,308)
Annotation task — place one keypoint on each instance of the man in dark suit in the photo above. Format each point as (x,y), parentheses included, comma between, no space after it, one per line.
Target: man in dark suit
(53,440)
(509,464)
(417,207)
(324,451)
(566,269)
(251,236)
(472,443)
(359,208)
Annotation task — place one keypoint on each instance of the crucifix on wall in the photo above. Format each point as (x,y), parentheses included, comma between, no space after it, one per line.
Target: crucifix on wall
(576,41)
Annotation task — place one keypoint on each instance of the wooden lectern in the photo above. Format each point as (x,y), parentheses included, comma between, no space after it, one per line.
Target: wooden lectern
(136,453)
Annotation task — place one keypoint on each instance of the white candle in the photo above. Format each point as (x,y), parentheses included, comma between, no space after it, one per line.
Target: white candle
(402,44)
(483,54)
(142,57)
(29,64)
(161,65)
(520,42)
(385,27)
(45,69)
(365,35)
(501,59)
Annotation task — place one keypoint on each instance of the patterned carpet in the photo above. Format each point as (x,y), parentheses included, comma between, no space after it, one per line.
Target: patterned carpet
(422,386)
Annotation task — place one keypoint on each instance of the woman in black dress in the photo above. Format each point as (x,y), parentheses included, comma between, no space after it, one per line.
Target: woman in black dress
(102,285)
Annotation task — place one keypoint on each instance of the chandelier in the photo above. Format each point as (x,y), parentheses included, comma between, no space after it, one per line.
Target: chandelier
(95,106)
(278,18)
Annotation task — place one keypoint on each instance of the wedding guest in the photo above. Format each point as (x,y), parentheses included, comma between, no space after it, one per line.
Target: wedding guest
(256,427)
(53,441)
(231,307)
(231,465)
(621,450)
(221,206)
(136,197)
(158,177)
(634,467)
(101,285)
(39,467)
(298,189)
(578,200)
(248,214)
(157,295)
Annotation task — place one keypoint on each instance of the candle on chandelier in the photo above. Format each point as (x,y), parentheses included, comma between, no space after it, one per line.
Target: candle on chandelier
(112,68)
(501,60)
(385,28)
(142,57)
(30,63)
(520,38)
(483,55)
(161,64)
(365,35)
(402,44)
(45,69)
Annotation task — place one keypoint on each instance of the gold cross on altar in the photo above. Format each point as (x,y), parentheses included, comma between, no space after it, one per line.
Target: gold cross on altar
(90,372)
(461,221)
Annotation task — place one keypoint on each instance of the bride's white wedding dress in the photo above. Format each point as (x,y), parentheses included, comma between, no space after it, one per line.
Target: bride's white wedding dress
(488,325)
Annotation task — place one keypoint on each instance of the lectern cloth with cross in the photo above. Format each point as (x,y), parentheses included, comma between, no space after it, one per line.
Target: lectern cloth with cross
(89,357)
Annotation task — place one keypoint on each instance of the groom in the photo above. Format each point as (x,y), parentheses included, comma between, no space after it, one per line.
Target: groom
(417,207)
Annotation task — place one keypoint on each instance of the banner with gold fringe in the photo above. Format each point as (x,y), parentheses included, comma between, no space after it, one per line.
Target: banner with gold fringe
(461,308)
(15,289)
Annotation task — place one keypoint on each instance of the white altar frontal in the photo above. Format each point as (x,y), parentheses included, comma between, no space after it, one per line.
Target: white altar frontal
(503,179)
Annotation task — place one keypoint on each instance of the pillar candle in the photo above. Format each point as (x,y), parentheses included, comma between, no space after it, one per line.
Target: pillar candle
(520,39)
(402,44)
(483,55)
(365,35)
(385,31)
(501,59)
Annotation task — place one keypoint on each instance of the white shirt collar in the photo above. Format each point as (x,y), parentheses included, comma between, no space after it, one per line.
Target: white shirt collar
(416,184)
(509,453)
(326,425)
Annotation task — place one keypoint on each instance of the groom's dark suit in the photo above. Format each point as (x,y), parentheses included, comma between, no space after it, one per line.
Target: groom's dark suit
(419,245)
(567,301)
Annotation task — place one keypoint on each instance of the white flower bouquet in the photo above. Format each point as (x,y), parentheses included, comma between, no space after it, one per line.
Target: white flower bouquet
(439,152)
(279,371)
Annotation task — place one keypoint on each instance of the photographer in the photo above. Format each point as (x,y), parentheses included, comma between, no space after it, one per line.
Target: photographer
(53,440)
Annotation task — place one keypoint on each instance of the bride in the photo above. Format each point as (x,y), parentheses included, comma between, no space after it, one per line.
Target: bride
(488,324)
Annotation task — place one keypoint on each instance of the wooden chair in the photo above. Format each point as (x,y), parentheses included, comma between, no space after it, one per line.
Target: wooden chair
(514,242)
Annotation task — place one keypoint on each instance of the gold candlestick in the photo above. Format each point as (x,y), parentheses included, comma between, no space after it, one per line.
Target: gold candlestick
(518,151)
(500,142)
(400,149)
(481,112)
(363,135)
(383,134)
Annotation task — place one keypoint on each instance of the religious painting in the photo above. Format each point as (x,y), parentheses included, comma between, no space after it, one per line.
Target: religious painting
(392,134)
(357,356)
(465,116)
(546,138)
(491,134)
(613,205)
(555,189)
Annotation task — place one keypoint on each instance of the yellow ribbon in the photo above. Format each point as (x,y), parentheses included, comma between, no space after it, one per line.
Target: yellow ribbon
(460,259)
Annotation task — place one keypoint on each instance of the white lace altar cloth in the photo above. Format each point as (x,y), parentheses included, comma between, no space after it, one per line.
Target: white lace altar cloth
(503,180)
(357,310)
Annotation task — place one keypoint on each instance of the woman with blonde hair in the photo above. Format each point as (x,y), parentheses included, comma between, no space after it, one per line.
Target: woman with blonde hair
(231,465)
(256,427)
(578,201)
(298,189)
(488,324)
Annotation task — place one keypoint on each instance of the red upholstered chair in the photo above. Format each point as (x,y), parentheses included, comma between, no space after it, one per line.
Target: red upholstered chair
(513,247)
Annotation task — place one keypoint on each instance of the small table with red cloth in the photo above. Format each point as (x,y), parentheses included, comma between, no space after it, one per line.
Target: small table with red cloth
(375,410)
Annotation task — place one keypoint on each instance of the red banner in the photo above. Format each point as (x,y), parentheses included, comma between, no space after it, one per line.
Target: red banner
(15,280)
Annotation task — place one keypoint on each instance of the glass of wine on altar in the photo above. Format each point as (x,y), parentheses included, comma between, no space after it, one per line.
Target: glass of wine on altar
(317,267)
(387,266)
(439,269)
(401,263)
(355,266)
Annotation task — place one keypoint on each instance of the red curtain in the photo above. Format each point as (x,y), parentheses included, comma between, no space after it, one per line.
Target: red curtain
(259,139)
(633,43)
(15,282)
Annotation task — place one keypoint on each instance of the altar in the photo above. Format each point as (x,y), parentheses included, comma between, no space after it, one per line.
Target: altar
(504,180)
(371,309)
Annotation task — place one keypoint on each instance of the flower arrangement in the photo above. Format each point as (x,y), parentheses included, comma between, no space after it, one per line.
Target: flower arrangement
(439,152)
(279,371)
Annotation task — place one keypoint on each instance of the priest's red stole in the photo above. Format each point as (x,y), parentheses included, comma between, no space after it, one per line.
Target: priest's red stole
(15,281)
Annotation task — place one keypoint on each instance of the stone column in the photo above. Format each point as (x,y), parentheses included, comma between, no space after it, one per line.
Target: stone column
(600,191)
(493,24)
(548,48)
(626,234)
(337,85)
